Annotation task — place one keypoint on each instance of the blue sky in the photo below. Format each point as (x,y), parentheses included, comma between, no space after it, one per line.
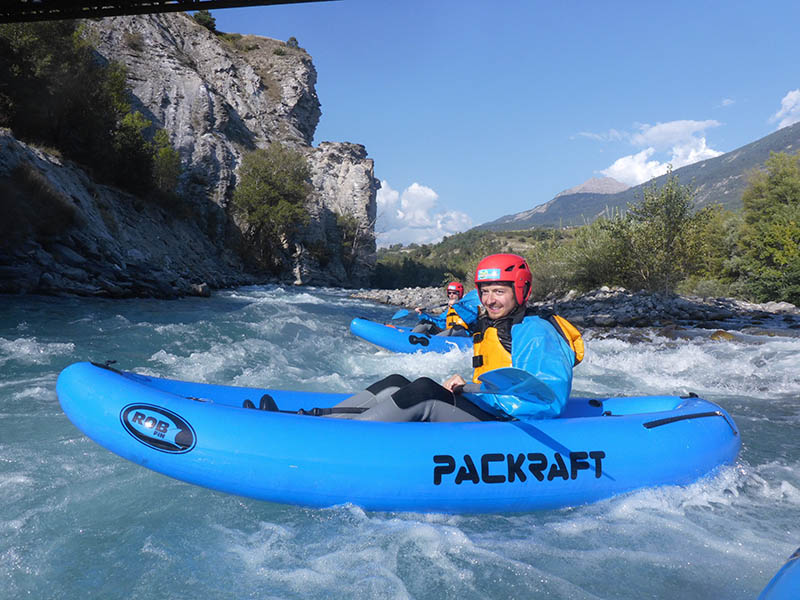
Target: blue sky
(473,110)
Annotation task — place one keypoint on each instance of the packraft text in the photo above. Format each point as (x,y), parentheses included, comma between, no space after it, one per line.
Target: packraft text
(508,468)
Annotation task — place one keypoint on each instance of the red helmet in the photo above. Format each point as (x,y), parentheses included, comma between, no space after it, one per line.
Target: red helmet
(454,286)
(506,268)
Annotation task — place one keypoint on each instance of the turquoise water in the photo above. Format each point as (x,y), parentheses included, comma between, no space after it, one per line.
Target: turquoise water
(79,522)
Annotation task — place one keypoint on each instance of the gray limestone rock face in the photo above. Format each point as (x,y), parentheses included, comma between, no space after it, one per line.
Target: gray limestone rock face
(218,96)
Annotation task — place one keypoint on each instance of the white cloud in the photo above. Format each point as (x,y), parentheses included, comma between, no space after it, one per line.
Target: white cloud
(728,102)
(677,143)
(666,135)
(789,114)
(692,151)
(612,135)
(414,216)
(635,168)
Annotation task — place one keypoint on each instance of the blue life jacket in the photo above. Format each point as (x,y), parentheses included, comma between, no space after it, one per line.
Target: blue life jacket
(466,308)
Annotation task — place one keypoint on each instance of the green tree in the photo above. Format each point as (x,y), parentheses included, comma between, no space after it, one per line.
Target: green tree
(58,92)
(166,163)
(353,235)
(54,91)
(592,257)
(769,244)
(132,160)
(717,244)
(656,243)
(204,18)
(270,197)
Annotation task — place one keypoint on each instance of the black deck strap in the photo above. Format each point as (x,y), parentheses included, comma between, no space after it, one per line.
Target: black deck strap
(248,404)
(393,380)
(668,420)
(477,361)
(335,410)
(425,388)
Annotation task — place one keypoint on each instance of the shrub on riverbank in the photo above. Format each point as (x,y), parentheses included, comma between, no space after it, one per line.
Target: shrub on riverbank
(768,264)
(653,246)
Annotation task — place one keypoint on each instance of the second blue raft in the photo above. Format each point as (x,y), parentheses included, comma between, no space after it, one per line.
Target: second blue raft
(402,339)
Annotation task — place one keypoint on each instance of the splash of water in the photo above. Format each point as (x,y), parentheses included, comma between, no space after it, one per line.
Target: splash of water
(78,521)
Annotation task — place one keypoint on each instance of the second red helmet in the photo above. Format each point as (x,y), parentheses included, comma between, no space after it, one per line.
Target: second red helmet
(454,286)
(506,268)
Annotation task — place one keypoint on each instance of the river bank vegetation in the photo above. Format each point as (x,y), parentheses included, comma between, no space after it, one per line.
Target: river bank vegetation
(660,244)
(56,92)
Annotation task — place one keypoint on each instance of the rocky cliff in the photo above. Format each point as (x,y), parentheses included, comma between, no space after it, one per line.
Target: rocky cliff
(218,97)
(90,239)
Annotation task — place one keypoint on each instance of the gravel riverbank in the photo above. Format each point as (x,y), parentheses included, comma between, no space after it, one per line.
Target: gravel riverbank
(618,307)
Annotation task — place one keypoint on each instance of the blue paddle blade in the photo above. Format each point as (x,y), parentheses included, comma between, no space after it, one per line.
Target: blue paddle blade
(399,314)
(516,382)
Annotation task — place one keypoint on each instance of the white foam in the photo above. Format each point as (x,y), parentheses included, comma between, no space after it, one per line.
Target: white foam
(616,367)
(28,350)
(437,366)
(72,512)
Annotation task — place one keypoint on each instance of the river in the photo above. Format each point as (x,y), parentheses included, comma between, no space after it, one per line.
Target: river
(78,521)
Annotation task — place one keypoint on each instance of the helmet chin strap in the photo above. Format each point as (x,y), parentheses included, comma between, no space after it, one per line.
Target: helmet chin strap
(526,293)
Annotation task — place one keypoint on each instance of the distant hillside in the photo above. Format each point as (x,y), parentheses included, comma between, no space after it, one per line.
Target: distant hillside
(719,180)
(596,185)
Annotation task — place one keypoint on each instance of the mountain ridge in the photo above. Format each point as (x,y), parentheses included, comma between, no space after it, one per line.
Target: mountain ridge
(719,180)
(596,185)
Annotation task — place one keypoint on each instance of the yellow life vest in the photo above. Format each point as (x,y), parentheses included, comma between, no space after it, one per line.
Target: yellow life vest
(570,333)
(489,353)
(453,320)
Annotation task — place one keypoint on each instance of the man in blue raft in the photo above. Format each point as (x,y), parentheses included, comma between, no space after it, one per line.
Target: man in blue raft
(541,351)
(457,320)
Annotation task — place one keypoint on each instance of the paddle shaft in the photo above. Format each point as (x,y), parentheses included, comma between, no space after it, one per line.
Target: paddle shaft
(403,312)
